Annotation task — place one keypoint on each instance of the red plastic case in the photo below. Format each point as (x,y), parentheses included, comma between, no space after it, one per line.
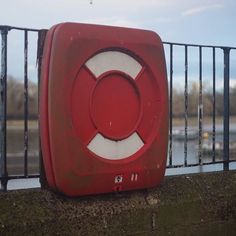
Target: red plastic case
(103,109)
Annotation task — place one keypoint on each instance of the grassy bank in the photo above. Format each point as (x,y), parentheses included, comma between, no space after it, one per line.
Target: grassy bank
(193,121)
(19,124)
(177,121)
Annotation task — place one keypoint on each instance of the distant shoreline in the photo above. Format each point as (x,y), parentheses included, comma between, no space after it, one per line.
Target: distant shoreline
(19,124)
(192,121)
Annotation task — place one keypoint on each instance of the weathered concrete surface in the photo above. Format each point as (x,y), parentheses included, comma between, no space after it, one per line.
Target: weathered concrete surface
(203,204)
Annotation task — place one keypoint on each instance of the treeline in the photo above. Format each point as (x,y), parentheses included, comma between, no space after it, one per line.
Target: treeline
(16,99)
(207,101)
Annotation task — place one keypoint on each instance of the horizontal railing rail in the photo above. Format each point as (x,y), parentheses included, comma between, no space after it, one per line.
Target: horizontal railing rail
(226,102)
(4,30)
(180,58)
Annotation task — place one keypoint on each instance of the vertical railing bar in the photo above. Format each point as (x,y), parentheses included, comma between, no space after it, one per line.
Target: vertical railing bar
(171,104)
(26,116)
(214,105)
(40,45)
(226,107)
(200,109)
(3,110)
(3,106)
(186,108)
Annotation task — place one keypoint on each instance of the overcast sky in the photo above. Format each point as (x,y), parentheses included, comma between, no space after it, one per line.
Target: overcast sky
(190,21)
(209,22)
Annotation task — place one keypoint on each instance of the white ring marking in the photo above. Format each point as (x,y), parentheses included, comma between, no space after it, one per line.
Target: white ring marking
(113,60)
(115,150)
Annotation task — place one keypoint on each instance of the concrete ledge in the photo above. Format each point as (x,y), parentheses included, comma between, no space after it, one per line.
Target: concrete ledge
(202,204)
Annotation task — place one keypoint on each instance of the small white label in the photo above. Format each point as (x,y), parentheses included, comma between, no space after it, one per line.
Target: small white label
(134,177)
(118,179)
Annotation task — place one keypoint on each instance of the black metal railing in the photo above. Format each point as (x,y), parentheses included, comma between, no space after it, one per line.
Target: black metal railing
(226,102)
(173,64)
(4,176)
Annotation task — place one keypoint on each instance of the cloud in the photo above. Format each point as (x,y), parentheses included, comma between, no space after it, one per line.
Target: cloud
(164,20)
(200,9)
(114,21)
(232,83)
(97,3)
(130,3)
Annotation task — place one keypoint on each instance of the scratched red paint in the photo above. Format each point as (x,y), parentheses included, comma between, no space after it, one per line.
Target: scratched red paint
(104,126)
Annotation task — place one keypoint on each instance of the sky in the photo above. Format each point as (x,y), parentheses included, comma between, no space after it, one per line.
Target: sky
(189,21)
(209,22)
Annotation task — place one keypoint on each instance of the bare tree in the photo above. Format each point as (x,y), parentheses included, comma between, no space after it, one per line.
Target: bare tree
(15,99)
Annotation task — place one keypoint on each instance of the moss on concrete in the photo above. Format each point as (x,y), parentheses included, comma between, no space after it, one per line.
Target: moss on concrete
(182,205)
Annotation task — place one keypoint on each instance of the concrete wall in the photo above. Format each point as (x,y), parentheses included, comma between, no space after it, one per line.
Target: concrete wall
(202,204)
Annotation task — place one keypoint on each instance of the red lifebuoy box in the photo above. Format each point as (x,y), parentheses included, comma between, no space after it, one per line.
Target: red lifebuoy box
(103,109)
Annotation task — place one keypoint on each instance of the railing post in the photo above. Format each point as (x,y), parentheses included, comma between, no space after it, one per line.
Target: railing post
(26,115)
(214,105)
(226,107)
(171,105)
(3,110)
(186,107)
(41,39)
(200,109)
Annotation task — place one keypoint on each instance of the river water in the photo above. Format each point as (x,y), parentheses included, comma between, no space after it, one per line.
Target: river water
(178,151)
(15,153)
